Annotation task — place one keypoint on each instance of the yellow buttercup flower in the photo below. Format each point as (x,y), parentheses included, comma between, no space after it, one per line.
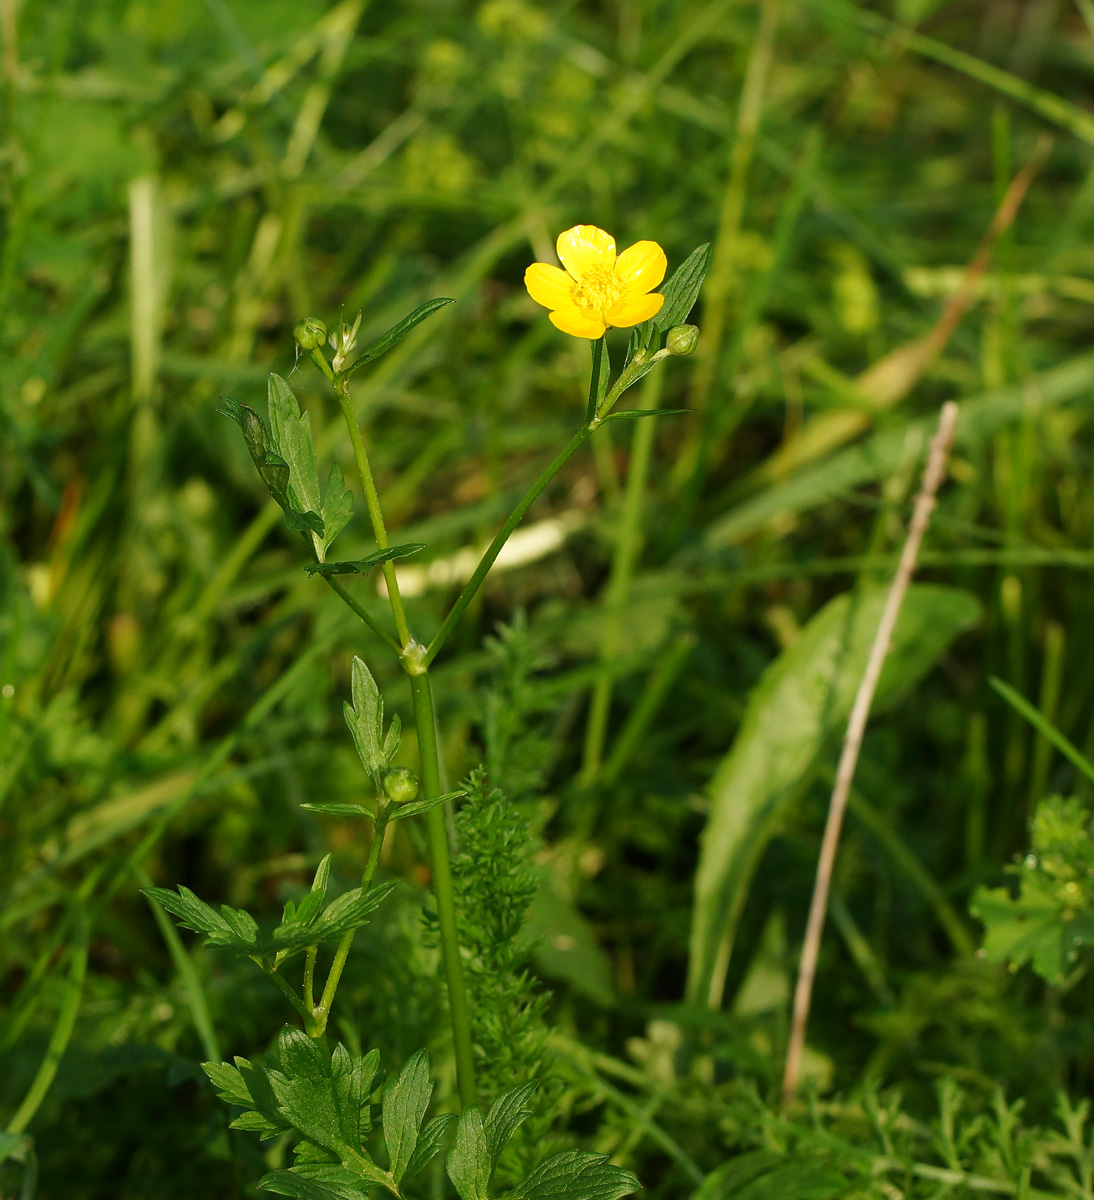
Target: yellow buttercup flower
(598,290)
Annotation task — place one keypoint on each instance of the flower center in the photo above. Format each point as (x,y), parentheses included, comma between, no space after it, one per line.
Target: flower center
(597,289)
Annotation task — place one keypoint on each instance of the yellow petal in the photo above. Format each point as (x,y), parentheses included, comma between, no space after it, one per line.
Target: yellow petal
(579,322)
(548,285)
(633,310)
(641,267)
(583,247)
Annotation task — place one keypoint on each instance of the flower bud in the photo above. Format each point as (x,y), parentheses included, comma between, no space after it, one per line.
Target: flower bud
(400,785)
(310,333)
(682,339)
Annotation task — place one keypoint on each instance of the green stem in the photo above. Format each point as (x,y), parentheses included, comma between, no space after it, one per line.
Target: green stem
(459,1009)
(512,521)
(309,978)
(289,992)
(627,545)
(365,616)
(322,1012)
(372,501)
(59,1039)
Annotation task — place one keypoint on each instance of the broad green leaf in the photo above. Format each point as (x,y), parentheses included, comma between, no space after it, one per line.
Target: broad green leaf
(362,566)
(800,703)
(319,1094)
(406,1097)
(336,511)
(506,1115)
(1027,927)
(290,432)
(764,1175)
(468,1163)
(575,1175)
(636,414)
(397,332)
(365,718)
(429,1142)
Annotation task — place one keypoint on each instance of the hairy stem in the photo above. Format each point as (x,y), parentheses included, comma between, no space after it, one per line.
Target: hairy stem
(459,1008)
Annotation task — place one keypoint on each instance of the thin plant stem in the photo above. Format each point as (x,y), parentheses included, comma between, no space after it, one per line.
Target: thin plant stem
(288,991)
(321,1012)
(376,516)
(459,1010)
(365,616)
(494,549)
(62,1033)
(309,978)
(852,743)
(627,545)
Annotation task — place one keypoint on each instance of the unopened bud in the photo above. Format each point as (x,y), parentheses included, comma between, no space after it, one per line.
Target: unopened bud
(400,785)
(682,339)
(310,333)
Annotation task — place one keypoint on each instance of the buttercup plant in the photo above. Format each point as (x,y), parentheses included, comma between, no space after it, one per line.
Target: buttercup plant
(323,1096)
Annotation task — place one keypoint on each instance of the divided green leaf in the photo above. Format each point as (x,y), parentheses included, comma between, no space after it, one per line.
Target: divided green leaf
(468,1163)
(429,1142)
(575,1175)
(230,927)
(362,566)
(406,1097)
(397,332)
(506,1115)
(416,807)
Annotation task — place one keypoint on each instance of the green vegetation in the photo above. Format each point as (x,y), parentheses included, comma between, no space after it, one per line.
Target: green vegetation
(535,931)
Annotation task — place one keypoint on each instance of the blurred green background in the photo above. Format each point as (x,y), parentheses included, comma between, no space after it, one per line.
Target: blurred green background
(182,181)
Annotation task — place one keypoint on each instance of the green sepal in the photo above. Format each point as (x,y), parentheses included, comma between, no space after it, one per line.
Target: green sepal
(396,333)
(362,566)
(634,414)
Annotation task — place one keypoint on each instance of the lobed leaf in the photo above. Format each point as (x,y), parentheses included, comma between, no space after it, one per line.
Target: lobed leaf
(468,1162)
(336,510)
(429,1142)
(506,1115)
(575,1175)
(416,807)
(362,566)
(406,1097)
